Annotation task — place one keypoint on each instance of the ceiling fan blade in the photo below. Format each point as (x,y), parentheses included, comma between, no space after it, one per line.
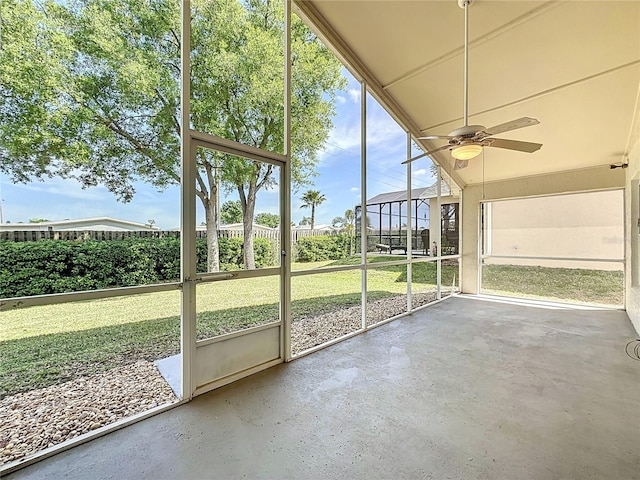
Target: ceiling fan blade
(425,154)
(527,147)
(512,125)
(436,137)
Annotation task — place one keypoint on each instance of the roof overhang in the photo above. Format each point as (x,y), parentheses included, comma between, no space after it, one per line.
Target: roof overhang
(573,65)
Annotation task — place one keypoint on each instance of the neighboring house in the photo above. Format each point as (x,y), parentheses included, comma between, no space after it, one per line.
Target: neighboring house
(583,230)
(80,224)
(299,231)
(240,226)
(329,229)
(236,230)
(387,217)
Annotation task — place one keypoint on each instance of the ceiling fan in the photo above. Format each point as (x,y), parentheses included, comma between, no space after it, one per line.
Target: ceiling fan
(468,141)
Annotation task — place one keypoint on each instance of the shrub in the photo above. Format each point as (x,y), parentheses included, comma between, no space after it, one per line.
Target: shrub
(325,247)
(266,252)
(231,256)
(57,266)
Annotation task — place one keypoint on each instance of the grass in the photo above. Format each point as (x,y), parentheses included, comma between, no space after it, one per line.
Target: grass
(46,345)
(566,284)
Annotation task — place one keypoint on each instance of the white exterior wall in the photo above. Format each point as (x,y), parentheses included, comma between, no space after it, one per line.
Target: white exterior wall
(600,178)
(632,230)
(434,217)
(585,225)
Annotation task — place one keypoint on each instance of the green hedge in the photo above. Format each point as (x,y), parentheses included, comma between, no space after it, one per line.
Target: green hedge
(326,247)
(56,266)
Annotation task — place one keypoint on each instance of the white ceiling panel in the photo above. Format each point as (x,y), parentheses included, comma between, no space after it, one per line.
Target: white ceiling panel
(573,65)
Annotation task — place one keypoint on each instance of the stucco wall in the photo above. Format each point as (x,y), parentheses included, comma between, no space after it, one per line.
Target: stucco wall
(584,225)
(632,216)
(600,178)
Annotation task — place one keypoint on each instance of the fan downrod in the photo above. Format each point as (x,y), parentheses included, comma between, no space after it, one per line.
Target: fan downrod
(468,141)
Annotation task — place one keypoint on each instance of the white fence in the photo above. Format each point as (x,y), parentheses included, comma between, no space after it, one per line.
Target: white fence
(81,235)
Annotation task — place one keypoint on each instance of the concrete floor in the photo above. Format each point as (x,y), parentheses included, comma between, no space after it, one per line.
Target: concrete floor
(465,389)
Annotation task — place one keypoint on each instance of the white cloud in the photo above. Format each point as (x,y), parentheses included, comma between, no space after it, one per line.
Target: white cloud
(386,141)
(354,94)
(355,189)
(341,99)
(384,132)
(343,144)
(420,172)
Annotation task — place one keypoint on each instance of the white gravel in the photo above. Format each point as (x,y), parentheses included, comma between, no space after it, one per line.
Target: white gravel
(310,331)
(35,420)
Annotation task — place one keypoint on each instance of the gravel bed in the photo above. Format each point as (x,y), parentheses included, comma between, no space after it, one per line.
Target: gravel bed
(310,331)
(35,420)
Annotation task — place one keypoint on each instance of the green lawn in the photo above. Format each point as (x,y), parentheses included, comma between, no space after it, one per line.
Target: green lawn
(45,345)
(565,284)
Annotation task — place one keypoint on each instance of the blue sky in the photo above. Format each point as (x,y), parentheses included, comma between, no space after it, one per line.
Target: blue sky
(338,178)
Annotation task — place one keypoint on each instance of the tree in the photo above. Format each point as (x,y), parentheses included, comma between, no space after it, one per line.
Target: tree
(311,199)
(268,219)
(231,212)
(304,221)
(346,223)
(89,89)
(350,219)
(38,220)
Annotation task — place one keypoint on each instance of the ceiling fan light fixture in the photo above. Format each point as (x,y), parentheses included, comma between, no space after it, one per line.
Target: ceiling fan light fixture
(466,152)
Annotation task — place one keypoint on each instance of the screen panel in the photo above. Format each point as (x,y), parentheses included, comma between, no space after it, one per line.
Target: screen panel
(324,307)
(562,247)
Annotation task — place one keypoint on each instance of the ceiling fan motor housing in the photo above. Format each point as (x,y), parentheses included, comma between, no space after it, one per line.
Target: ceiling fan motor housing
(468,131)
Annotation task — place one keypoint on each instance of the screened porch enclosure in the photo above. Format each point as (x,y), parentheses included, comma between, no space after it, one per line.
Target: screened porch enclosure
(387,222)
(272,313)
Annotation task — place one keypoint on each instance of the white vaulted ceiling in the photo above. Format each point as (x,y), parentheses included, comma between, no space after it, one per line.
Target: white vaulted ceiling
(573,65)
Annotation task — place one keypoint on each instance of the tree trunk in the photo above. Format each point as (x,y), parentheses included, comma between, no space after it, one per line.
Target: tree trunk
(213,248)
(313,216)
(249,206)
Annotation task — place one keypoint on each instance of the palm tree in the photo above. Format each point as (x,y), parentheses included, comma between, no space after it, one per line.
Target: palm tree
(312,198)
(346,224)
(350,220)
